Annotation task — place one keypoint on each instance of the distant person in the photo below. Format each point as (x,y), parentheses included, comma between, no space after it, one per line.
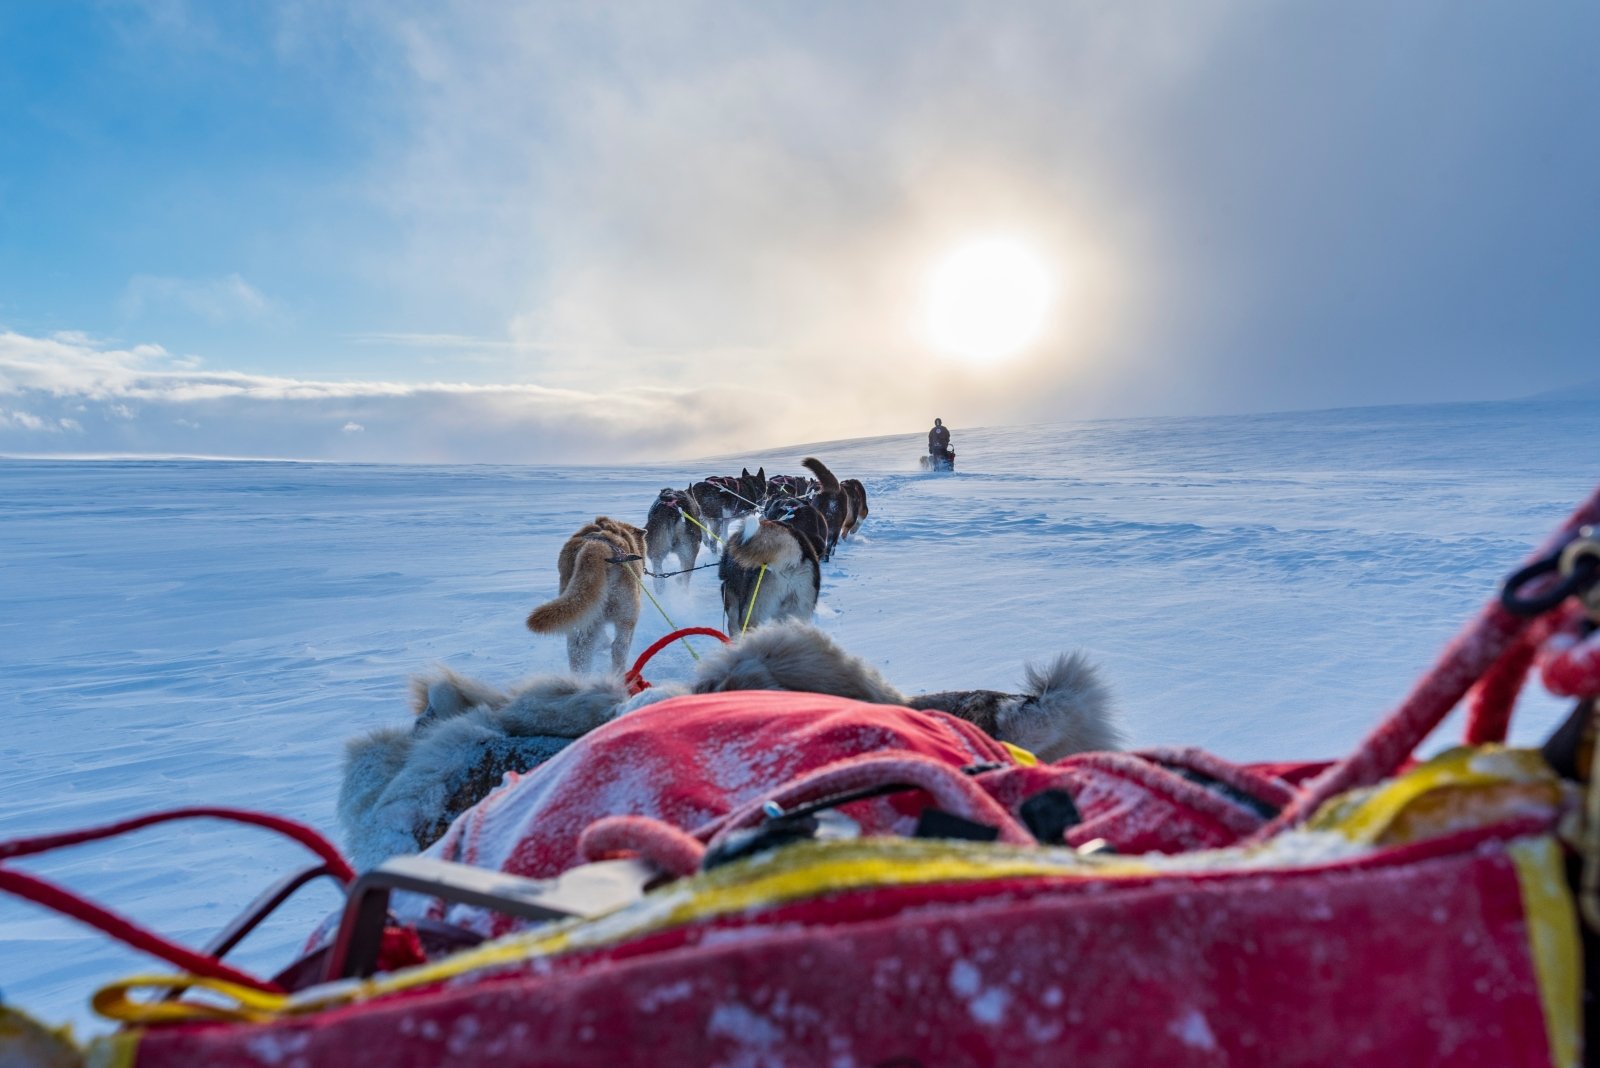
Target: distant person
(939,441)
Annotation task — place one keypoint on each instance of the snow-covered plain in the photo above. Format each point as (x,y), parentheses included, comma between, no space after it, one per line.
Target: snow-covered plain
(189,632)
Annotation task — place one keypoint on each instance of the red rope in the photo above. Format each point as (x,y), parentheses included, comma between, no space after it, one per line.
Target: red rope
(68,903)
(299,832)
(674,851)
(635,681)
(1569,664)
(1492,700)
(953,791)
(1468,657)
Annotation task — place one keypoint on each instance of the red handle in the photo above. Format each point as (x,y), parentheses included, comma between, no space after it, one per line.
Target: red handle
(636,681)
(1469,657)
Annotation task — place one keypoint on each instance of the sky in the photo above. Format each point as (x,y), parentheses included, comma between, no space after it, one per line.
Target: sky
(547,233)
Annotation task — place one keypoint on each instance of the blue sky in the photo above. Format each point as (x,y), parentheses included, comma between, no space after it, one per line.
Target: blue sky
(564,232)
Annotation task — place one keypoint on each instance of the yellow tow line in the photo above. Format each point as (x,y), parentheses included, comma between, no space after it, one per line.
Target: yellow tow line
(752,608)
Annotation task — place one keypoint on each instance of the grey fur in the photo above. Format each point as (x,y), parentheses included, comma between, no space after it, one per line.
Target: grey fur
(401,788)
(792,655)
(1066,709)
(450,695)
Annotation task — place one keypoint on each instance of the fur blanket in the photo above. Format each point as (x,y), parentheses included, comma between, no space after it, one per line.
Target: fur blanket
(403,786)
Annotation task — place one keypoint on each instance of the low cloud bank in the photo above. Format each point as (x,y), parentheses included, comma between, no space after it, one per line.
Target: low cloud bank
(72,395)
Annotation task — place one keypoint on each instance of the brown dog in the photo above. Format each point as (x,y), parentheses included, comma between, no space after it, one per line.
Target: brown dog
(831,501)
(857,493)
(600,567)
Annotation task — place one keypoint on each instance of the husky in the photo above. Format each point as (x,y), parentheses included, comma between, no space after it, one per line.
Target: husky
(600,572)
(725,499)
(857,493)
(673,527)
(790,486)
(831,501)
(786,589)
(800,516)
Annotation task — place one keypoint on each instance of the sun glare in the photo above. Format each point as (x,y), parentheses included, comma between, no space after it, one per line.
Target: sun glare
(988,300)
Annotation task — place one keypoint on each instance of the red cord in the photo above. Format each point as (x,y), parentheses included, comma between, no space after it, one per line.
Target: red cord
(1569,662)
(68,903)
(636,682)
(299,832)
(953,791)
(674,851)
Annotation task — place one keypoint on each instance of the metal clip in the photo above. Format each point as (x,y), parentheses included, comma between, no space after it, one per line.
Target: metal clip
(1581,557)
(1577,568)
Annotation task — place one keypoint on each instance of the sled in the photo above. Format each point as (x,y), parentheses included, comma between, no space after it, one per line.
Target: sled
(897,888)
(931,462)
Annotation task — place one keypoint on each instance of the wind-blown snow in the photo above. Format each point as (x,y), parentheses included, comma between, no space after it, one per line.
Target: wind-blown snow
(179,633)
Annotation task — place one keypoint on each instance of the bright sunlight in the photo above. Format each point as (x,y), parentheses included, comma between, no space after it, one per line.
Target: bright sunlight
(988,300)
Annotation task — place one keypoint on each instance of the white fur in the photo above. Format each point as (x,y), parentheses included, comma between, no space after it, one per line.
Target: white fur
(1066,709)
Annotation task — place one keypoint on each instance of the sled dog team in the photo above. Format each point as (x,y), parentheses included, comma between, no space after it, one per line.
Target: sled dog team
(774,532)
(404,786)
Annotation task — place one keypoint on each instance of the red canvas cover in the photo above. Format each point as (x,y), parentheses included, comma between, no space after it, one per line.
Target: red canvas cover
(1418,954)
(690,760)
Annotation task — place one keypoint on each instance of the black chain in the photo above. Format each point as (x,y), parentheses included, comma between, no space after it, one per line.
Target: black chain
(631,557)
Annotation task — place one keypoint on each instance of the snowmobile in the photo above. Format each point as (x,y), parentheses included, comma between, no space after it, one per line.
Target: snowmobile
(894,886)
(935,462)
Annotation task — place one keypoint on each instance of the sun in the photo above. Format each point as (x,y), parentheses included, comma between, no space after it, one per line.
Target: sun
(988,299)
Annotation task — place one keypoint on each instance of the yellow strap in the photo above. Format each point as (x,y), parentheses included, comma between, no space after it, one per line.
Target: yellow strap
(1553,942)
(1020,755)
(701,525)
(753,594)
(1366,815)
(115,1001)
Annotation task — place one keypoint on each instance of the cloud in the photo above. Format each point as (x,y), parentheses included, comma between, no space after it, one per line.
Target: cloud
(23,420)
(1253,206)
(216,300)
(143,400)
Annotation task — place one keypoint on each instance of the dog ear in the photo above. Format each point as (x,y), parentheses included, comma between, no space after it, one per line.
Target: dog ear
(762,473)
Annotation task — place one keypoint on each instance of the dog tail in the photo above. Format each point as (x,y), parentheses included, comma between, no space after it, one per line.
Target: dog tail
(761,541)
(1066,709)
(582,596)
(824,476)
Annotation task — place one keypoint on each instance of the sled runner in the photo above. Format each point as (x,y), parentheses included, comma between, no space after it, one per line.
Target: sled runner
(877,885)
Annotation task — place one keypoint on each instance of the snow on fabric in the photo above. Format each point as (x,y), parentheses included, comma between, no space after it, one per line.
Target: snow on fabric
(688,761)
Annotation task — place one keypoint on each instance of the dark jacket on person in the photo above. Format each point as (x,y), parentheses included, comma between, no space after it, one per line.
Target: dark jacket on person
(939,440)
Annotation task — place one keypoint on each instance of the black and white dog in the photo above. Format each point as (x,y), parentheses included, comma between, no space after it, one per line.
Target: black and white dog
(771,569)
